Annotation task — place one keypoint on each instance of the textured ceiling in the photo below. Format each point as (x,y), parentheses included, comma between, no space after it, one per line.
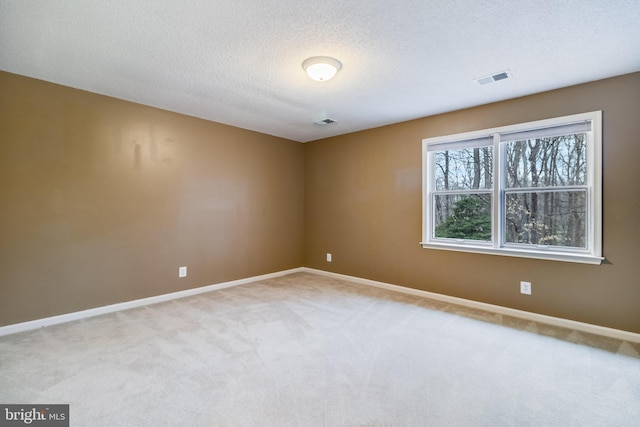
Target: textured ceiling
(239,62)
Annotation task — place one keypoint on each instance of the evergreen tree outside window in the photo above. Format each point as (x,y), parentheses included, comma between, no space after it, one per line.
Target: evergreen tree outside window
(528,190)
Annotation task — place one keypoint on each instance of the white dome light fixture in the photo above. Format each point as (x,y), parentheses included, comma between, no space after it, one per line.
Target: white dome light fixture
(321,68)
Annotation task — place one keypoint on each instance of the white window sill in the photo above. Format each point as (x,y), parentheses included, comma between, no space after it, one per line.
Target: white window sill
(581,258)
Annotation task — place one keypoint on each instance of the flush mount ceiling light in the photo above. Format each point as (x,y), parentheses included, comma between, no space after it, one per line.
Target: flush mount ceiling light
(321,68)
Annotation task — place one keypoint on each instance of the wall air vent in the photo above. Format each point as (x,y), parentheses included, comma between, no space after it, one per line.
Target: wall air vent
(494,78)
(324,122)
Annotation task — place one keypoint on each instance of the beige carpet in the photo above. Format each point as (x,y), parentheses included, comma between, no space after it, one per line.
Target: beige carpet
(306,350)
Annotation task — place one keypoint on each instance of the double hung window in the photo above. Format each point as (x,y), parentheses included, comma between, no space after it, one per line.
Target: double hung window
(529,190)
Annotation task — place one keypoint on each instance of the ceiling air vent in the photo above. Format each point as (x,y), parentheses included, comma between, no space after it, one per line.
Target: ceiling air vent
(494,77)
(324,122)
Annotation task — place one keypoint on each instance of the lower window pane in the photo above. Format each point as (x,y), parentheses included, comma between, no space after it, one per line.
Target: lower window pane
(463,216)
(554,218)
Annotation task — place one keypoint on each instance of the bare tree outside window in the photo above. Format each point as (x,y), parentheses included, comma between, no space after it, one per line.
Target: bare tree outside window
(544,201)
(460,212)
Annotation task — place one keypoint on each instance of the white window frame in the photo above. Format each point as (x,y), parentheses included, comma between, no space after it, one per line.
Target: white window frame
(592,254)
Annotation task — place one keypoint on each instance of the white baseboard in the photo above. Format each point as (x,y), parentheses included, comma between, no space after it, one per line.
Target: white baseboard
(84,314)
(549,320)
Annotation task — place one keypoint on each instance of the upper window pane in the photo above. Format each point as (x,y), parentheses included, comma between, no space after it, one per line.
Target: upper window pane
(464,169)
(546,162)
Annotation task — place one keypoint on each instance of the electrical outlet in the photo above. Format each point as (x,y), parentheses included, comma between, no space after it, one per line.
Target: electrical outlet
(328,257)
(182,272)
(525,288)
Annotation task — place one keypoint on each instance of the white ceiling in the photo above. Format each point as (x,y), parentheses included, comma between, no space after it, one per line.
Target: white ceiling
(239,62)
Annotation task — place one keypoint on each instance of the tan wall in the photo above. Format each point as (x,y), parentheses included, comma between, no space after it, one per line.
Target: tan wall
(102,200)
(363,205)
